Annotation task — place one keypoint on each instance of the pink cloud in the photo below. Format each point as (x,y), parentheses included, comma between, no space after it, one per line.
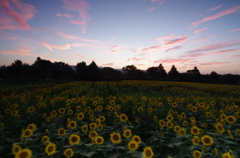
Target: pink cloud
(212,9)
(231,31)
(169,36)
(151,9)
(136,59)
(49,46)
(202,39)
(108,64)
(224,51)
(11,19)
(174,48)
(75,54)
(160,2)
(236,56)
(215,16)
(63,35)
(174,41)
(214,63)
(81,6)
(115,48)
(150,48)
(198,31)
(22,50)
(58,14)
(181,61)
(67,15)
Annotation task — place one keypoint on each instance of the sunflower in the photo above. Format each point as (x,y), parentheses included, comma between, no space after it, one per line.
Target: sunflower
(219,127)
(115,138)
(196,140)
(238,113)
(197,154)
(207,140)
(45,139)
(25,153)
(123,117)
(73,124)
(137,139)
(74,139)
(67,106)
(227,155)
(169,117)
(176,128)
(50,149)
(215,151)
(70,112)
(194,109)
(174,104)
(223,116)
(78,108)
(7,111)
(137,120)
(85,128)
(93,135)
(147,152)
(27,133)
(182,132)
(32,127)
(185,123)
(150,110)
(132,145)
(93,125)
(195,130)
(169,124)
(61,131)
(231,119)
(127,133)
(162,123)
(53,113)
(30,109)
(98,140)
(68,152)
(140,109)
(44,115)
(100,108)
(102,118)
(16,149)
(61,110)
(237,131)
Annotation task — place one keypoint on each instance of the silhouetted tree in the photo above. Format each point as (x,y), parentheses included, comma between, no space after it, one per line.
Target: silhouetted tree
(42,67)
(161,72)
(152,72)
(18,69)
(81,71)
(157,73)
(3,71)
(214,76)
(130,72)
(173,74)
(194,75)
(61,69)
(93,72)
(111,74)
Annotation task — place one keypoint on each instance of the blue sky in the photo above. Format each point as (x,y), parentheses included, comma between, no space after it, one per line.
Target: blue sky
(116,33)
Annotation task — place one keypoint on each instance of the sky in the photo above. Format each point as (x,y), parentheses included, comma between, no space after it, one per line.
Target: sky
(117,33)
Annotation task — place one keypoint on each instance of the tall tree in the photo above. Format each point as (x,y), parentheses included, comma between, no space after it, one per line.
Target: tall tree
(93,72)
(42,67)
(18,69)
(81,71)
(173,74)
(214,76)
(161,72)
(194,74)
(110,74)
(130,71)
(61,69)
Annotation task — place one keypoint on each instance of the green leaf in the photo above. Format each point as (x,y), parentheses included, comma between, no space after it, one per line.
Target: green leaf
(114,155)
(88,154)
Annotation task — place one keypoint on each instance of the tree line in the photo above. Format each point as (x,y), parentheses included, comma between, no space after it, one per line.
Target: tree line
(43,69)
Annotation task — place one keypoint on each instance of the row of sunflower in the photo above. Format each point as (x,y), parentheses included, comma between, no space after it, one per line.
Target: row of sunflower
(120,119)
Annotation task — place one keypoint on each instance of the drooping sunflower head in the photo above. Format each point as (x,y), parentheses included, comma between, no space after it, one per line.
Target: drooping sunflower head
(227,155)
(123,117)
(32,127)
(132,145)
(197,154)
(115,138)
(25,153)
(85,128)
(98,140)
(196,140)
(16,149)
(219,127)
(93,135)
(147,152)
(74,139)
(50,149)
(61,131)
(127,133)
(68,152)
(207,140)
(27,133)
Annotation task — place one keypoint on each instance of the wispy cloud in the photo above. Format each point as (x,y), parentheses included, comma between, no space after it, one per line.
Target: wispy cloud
(231,31)
(150,48)
(135,59)
(151,9)
(11,19)
(63,35)
(22,50)
(81,6)
(64,47)
(214,8)
(215,16)
(161,38)
(181,61)
(174,41)
(115,48)
(160,2)
(235,56)
(174,48)
(65,15)
(215,46)
(198,31)
(214,63)
(108,64)
(79,55)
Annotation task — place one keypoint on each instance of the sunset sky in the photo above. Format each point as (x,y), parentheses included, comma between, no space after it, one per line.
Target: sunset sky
(117,33)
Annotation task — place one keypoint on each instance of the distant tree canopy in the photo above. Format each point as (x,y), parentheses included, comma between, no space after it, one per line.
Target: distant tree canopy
(42,68)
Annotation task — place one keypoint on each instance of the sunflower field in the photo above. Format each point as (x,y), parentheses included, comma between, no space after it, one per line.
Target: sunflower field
(127,119)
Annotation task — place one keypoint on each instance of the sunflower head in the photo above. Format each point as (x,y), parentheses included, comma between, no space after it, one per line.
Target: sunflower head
(93,125)
(147,152)
(98,140)
(85,128)
(61,131)
(231,119)
(196,140)
(50,149)
(169,117)
(207,140)
(27,133)
(25,153)
(219,127)
(93,135)
(68,152)
(127,133)
(195,130)
(197,154)
(74,139)
(123,117)
(137,139)
(16,149)
(132,145)
(115,138)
